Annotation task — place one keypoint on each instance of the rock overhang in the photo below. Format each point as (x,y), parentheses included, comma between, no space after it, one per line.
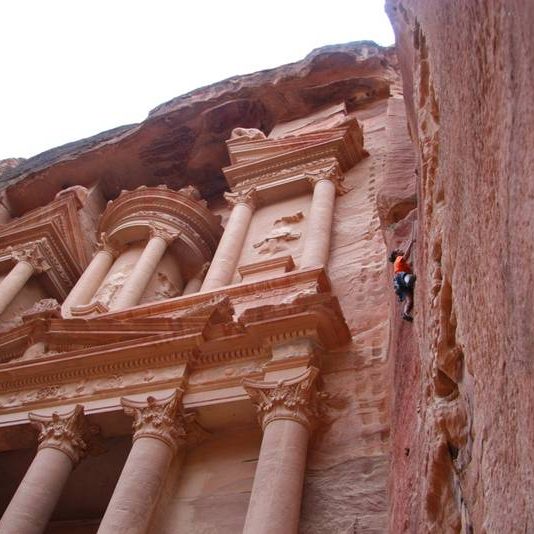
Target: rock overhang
(183,141)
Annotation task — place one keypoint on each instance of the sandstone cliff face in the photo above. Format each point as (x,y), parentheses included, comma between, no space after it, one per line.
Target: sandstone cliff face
(463,432)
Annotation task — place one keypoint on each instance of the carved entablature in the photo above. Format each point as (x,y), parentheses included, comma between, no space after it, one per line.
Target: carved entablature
(296,399)
(160,419)
(178,216)
(158,345)
(70,433)
(278,167)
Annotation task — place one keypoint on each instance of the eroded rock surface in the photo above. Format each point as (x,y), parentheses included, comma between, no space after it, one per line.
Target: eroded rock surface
(463,432)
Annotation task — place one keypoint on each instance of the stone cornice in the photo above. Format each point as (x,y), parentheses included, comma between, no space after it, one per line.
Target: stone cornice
(162,419)
(295,399)
(70,433)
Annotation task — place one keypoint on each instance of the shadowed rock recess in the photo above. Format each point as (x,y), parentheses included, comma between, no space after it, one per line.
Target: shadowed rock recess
(198,331)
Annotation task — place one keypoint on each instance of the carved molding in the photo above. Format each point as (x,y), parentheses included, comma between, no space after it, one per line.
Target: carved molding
(160,419)
(296,399)
(69,433)
(248,197)
(331,173)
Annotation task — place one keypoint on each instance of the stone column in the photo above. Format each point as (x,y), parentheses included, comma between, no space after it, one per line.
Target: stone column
(29,261)
(159,431)
(195,282)
(92,277)
(131,292)
(326,184)
(63,441)
(287,410)
(227,255)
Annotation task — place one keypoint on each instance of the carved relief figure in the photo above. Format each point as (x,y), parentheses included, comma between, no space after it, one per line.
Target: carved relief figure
(281,233)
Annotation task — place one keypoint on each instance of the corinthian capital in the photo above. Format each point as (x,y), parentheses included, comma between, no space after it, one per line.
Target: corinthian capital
(160,419)
(106,245)
(248,196)
(331,173)
(69,433)
(295,398)
(32,254)
(167,234)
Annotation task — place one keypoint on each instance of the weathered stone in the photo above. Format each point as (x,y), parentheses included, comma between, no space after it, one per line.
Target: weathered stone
(463,433)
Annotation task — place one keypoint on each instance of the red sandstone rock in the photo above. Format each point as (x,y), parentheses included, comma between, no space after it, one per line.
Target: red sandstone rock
(463,377)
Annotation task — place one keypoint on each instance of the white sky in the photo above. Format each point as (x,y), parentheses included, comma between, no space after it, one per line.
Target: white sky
(73,68)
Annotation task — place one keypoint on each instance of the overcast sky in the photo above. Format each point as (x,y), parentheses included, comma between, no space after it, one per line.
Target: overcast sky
(73,68)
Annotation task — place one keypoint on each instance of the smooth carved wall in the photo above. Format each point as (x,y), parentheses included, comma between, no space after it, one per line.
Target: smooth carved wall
(269,236)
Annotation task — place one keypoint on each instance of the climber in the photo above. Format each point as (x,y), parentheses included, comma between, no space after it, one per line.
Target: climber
(403,279)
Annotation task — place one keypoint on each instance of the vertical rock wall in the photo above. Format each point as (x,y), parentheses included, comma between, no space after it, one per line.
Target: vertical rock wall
(463,446)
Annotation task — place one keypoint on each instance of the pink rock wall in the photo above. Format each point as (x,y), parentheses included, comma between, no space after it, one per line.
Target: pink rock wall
(464,379)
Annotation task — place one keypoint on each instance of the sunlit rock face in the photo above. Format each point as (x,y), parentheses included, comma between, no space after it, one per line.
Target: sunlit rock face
(462,427)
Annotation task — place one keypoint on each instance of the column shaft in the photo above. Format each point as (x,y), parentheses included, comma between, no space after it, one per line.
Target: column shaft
(13,283)
(192,286)
(277,491)
(35,499)
(137,491)
(89,282)
(224,262)
(317,245)
(135,285)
